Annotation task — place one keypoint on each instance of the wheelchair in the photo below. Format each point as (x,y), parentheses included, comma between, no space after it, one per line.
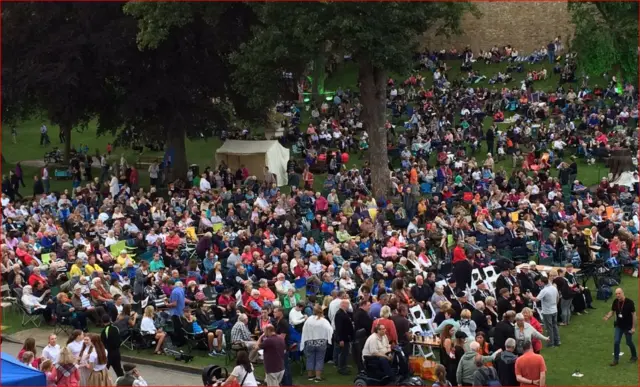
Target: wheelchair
(371,375)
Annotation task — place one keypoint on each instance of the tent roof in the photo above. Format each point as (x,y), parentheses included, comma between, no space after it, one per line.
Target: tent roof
(239,147)
(15,373)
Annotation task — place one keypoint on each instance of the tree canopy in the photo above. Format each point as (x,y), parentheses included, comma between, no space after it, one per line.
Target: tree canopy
(55,60)
(380,37)
(606,37)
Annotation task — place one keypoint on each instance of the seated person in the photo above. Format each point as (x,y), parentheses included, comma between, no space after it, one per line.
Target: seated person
(377,354)
(65,309)
(191,326)
(147,327)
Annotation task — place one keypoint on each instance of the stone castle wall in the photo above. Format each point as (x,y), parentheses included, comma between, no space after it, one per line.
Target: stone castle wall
(524,25)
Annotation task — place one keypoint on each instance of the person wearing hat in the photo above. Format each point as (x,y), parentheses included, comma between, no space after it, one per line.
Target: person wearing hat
(461,303)
(504,280)
(482,291)
(131,377)
(451,289)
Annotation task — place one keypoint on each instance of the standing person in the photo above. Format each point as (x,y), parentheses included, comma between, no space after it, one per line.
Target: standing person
(344,335)
(242,374)
(274,348)
(531,369)
(282,330)
(14,180)
(52,350)
(625,324)
(490,136)
(549,298)
(99,375)
(44,137)
(38,187)
(20,174)
(111,340)
(176,300)
(66,373)
(61,136)
(505,364)
(468,366)
(551,51)
(45,180)
(316,336)
(131,377)
(154,170)
(441,377)
(484,375)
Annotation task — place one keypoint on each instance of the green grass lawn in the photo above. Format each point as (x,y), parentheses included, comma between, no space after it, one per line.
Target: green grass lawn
(202,152)
(587,345)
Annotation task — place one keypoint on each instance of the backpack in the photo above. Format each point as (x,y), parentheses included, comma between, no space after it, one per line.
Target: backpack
(465,326)
(604,293)
(491,377)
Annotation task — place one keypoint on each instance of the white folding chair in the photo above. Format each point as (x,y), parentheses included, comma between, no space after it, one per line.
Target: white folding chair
(418,316)
(475,275)
(489,272)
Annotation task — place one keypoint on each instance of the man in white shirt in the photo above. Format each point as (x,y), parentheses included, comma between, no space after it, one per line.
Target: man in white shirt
(52,350)
(549,298)
(296,317)
(377,351)
(334,306)
(205,186)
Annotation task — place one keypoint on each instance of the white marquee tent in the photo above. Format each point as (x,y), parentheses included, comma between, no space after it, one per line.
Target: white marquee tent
(255,155)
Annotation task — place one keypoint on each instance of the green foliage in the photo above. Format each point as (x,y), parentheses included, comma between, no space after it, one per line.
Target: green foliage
(606,37)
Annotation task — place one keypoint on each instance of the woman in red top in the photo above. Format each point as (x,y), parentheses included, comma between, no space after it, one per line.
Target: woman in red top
(30,346)
(536,344)
(385,314)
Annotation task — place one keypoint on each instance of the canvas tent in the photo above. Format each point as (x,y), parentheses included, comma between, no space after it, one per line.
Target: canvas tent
(626,179)
(255,155)
(15,373)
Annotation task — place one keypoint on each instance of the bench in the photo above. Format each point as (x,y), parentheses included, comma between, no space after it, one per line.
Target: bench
(147,160)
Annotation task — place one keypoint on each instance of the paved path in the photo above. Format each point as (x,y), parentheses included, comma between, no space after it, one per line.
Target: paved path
(154,376)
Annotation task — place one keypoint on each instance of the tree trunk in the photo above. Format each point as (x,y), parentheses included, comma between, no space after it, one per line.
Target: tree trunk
(176,146)
(66,130)
(318,76)
(373,97)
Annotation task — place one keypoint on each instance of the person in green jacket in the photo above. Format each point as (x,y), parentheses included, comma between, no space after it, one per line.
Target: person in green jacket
(467,366)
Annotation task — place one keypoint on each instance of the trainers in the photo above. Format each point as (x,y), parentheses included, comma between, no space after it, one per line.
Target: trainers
(222,352)
(633,359)
(213,353)
(310,378)
(613,363)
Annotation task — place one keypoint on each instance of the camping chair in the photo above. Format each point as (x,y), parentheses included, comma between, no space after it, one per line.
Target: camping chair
(63,324)
(7,300)
(28,317)
(117,247)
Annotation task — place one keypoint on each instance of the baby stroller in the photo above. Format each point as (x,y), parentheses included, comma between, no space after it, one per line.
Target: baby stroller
(214,375)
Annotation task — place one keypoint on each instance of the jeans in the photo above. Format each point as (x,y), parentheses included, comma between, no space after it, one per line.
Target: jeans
(383,364)
(550,322)
(45,184)
(343,356)
(565,305)
(315,357)
(286,378)
(617,338)
(552,57)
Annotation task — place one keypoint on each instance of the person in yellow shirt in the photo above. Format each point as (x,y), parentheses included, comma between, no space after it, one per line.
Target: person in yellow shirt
(123,259)
(92,266)
(76,269)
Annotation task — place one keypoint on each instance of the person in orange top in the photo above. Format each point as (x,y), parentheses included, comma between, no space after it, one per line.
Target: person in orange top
(266,294)
(531,369)
(385,319)
(172,241)
(413,175)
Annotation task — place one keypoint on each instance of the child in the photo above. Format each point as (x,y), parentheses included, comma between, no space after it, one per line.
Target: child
(47,368)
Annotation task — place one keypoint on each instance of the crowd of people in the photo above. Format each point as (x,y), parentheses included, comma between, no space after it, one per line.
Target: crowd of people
(234,264)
